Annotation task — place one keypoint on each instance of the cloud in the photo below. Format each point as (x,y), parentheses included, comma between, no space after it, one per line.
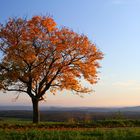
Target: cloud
(130,83)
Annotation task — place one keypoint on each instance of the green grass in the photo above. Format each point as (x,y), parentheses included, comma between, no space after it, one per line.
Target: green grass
(15,129)
(17,123)
(93,134)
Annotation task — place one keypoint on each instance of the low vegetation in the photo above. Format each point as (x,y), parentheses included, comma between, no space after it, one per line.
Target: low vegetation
(19,124)
(72,134)
(14,129)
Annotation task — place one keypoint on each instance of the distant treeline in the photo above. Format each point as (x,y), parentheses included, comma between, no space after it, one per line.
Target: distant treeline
(69,116)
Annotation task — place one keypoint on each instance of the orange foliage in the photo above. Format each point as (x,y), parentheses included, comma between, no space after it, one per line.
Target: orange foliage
(39,57)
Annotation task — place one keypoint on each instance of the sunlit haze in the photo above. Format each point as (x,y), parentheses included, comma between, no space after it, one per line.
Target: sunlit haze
(113,25)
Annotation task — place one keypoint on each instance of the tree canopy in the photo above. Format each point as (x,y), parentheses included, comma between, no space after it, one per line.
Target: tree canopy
(37,57)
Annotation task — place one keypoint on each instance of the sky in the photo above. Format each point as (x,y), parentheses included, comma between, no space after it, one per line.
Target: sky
(113,25)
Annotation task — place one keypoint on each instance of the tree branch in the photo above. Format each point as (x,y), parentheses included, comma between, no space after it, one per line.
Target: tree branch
(44,79)
(19,90)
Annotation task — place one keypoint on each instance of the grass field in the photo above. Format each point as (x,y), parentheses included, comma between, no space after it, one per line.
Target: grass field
(77,134)
(11,129)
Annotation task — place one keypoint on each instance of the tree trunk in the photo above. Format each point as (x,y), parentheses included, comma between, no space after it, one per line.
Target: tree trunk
(36,114)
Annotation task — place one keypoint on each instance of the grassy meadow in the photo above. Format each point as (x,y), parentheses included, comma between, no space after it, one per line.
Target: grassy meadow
(16,129)
(77,134)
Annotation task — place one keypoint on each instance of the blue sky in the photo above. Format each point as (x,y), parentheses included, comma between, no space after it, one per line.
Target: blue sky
(114,25)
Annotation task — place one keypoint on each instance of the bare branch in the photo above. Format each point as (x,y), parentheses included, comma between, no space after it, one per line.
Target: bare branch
(18,90)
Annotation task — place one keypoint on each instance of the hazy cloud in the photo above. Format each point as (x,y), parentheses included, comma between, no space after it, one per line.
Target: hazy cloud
(130,83)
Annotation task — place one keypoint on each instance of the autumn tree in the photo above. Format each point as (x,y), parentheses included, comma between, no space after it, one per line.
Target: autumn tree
(39,58)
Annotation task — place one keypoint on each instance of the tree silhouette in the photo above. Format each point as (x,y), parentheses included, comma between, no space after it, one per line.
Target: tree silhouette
(39,58)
